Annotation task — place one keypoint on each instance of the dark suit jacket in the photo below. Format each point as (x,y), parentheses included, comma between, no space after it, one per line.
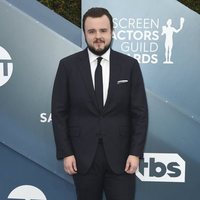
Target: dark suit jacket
(78,122)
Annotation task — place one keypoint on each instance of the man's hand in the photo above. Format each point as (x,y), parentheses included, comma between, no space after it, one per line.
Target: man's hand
(132,164)
(70,165)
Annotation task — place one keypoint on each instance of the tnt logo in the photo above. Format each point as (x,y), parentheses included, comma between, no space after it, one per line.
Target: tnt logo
(27,192)
(162,167)
(6,66)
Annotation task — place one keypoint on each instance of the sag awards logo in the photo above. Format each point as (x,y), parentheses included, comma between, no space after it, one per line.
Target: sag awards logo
(27,192)
(6,66)
(162,167)
(140,38)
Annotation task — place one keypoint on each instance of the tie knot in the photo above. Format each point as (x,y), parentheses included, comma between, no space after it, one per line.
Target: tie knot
(99,60)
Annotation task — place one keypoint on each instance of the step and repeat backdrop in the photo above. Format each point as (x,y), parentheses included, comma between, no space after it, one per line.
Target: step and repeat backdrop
(162,35)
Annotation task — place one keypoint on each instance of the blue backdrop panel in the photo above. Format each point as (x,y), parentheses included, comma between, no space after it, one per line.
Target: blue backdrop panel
(17,170)
(50,19)
(25,120)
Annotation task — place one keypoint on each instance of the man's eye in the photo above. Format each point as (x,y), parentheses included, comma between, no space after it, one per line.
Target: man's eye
(103,30)
(91,31)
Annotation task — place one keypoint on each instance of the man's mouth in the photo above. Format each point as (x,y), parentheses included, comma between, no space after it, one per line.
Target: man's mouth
(99,42)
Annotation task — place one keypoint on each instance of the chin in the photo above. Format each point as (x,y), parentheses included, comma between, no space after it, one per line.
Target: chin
(99,50)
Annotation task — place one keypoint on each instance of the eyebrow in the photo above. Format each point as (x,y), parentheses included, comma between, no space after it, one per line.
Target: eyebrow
(93,29)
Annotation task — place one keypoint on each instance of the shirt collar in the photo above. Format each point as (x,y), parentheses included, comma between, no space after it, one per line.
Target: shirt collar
(93,57)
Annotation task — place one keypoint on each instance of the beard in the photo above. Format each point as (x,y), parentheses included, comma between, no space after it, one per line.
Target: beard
(99,51)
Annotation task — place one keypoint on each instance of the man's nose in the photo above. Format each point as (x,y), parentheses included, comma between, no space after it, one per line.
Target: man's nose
(98,34)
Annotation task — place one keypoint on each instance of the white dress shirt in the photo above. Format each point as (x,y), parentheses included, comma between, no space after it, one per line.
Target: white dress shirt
(105,63)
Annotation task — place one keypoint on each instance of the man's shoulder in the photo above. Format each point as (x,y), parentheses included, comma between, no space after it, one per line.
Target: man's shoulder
(123,57)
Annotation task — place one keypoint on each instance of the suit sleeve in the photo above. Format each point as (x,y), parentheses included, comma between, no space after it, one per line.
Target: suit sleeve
(60,112)
(139,112)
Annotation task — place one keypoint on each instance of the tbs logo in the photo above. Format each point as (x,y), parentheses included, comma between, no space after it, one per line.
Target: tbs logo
(162,167)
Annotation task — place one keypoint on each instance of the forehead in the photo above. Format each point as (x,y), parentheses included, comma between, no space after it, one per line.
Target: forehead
(97,22)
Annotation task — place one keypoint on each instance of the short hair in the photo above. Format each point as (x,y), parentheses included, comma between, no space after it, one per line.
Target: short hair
(97,12)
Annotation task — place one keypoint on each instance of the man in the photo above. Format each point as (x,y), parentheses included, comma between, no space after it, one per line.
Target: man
(99,113)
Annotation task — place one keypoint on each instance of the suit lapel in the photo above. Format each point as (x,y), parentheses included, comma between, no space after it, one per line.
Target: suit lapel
(85,70)
(114,76)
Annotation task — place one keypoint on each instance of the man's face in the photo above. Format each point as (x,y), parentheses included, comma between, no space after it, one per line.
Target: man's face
(98,34)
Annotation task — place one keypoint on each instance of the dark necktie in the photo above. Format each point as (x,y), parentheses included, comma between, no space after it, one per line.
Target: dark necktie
(99,83)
